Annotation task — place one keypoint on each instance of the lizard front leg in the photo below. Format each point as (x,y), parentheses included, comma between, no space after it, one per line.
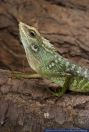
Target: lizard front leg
(63,89)
(20,75)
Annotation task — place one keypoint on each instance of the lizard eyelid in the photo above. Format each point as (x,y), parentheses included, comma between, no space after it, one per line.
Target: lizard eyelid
(32,34)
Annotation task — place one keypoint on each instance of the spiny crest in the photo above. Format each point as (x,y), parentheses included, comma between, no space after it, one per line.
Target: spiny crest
(48,45)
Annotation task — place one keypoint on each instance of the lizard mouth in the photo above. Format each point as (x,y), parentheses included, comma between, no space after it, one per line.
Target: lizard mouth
(22,27)
(23,33)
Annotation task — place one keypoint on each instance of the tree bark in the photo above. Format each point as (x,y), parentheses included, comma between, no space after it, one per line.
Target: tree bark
(26,104)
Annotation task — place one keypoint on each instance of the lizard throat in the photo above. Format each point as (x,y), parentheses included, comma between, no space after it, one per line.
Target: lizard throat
(33,62)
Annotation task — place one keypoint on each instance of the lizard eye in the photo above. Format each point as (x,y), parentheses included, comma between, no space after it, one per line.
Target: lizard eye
(32,34)
(34,48)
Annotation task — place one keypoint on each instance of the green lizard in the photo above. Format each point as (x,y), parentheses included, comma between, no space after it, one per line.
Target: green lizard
(44,59)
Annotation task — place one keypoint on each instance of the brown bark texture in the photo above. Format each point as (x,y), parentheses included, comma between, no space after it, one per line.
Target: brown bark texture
(25,104)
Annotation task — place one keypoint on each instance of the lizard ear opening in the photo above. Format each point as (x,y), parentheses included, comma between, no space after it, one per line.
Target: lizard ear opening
(34,47)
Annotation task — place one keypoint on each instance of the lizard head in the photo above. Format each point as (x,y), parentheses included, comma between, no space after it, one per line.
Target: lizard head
(29,37)
(36,47)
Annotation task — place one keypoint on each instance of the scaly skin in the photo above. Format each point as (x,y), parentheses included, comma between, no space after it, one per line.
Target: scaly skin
(44,59)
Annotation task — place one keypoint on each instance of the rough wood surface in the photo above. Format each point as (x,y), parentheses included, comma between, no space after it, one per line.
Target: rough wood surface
(26,105)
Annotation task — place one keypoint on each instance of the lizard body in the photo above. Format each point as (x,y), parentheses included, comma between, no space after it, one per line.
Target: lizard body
(44,59)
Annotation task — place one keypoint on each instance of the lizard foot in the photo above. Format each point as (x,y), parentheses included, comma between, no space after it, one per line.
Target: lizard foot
(58,92)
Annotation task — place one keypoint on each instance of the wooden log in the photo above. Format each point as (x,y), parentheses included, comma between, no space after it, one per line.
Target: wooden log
(26,105)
